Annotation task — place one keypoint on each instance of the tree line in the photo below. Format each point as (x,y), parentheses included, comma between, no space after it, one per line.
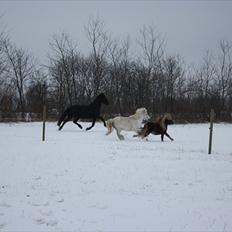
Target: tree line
(151,78)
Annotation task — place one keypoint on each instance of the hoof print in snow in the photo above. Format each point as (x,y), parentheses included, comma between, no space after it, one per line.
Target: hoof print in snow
(98,207)
(61,200)
(42,204)
(42,221)
(2,226)
(45,213)
(35,204)
(5,205)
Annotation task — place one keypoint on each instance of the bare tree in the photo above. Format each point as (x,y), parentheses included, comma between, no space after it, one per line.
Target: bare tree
(2,68)
(100,42)
(224,72)
(6,92)
(20,67)
(36,89)
(152,46)
(205,77)
(118,73)
(173,75)
(65,69)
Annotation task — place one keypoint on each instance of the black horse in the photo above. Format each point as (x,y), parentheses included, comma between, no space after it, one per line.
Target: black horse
(91,111)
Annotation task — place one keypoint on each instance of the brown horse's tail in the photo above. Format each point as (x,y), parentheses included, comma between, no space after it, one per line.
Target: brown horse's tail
(109,125)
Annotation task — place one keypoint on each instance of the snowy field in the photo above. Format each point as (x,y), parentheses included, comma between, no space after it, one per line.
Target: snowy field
(86,181)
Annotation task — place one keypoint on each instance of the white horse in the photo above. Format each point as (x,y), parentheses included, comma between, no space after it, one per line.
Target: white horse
(131,123)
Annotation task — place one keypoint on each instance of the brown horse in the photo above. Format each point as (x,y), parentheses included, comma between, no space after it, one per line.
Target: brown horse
(159,127)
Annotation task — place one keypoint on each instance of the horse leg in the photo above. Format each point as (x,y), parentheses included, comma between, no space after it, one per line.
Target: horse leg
(162,137)
(75,121)
(169,136)
(102,120)
(66,120)
(93,123)
(139,133)
(147,132)
(121,137)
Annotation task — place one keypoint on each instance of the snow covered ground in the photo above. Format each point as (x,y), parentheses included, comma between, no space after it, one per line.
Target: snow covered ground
(85,181)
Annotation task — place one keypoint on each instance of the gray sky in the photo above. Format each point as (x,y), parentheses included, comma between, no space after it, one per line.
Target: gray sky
(189,27)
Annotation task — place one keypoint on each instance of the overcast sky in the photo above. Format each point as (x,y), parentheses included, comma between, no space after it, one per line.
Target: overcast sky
(189,27)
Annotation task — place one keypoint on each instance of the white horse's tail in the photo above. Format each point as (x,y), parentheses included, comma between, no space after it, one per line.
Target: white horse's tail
(109,125)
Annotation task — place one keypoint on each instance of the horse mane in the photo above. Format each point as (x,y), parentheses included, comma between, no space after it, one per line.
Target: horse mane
(98,98)
(161,120)
(137,113)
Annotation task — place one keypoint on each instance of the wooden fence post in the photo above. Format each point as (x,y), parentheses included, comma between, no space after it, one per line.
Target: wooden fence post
(44,119)
(44,112)
(211,131)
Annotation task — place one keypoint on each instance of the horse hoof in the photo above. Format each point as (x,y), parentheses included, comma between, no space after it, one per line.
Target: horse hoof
(121,138)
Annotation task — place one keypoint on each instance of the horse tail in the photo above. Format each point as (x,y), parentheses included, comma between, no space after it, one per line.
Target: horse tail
(63,116)
(109,125)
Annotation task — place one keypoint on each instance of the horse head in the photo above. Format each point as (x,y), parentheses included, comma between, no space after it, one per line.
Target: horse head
(167,118)
(102,98)
(142,113)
